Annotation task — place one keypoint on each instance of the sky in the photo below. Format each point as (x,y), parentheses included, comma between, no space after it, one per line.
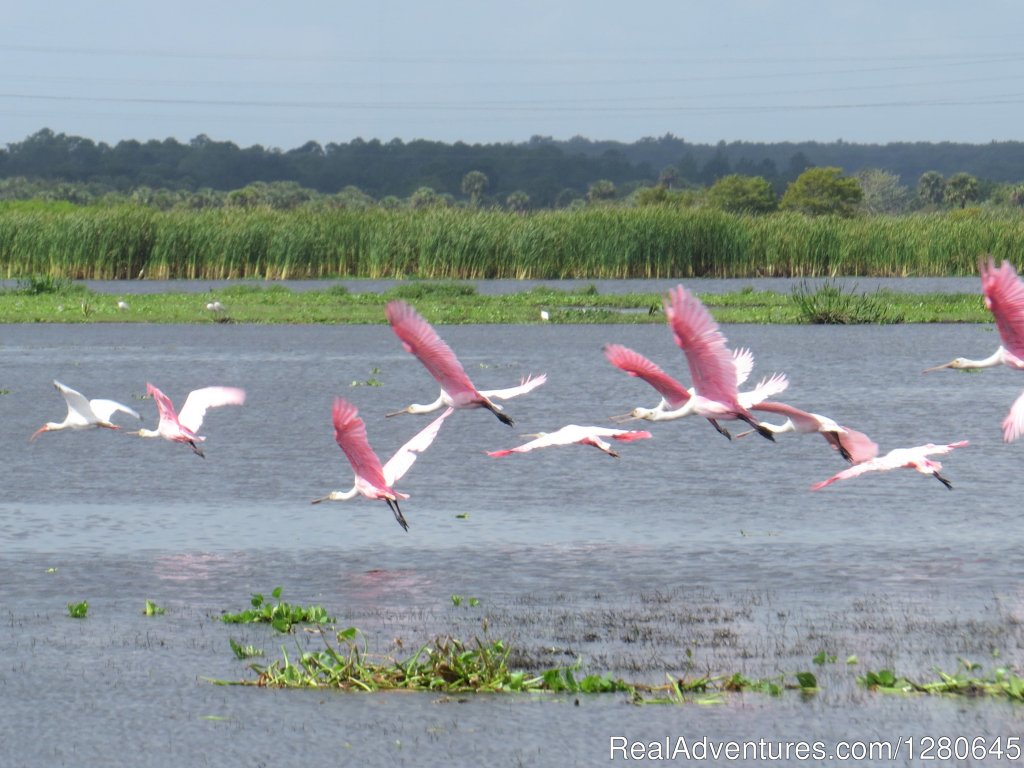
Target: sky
(281,74)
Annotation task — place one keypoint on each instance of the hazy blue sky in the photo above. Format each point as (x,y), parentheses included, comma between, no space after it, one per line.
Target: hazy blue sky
(280,74)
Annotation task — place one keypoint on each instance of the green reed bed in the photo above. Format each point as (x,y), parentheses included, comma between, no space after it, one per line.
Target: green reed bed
(456,243)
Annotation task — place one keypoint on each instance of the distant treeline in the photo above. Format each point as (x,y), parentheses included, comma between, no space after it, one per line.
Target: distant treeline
(448,242)
(539,173)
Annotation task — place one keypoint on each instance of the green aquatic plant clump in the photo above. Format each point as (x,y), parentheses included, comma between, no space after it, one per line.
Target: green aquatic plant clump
(281,615)
(830,304)
(1002,682)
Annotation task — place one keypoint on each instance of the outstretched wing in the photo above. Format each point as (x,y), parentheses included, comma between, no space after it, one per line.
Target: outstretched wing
(78,406)
(696,333)
(1013,424)
(768,387)
(350,434)
(635,364)
(526,385)
(891,460)
(164,406)
(104,409)
(859,446)
(743,359)
(420,339)
(571,434)
(1004,296)
(200,400)
(404,457)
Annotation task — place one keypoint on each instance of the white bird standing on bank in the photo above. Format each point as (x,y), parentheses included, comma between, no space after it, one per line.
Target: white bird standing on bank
(83,413)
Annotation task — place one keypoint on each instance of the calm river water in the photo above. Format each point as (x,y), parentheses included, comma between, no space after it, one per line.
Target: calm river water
(688,555)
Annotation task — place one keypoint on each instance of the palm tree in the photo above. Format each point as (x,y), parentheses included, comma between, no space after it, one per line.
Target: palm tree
(473,184)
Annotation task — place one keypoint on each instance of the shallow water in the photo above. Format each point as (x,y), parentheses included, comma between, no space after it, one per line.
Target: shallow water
(688,543)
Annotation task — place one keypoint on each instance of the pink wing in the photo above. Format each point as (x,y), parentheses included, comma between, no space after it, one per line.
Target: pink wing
(350,434)
(899,457)
(200,400)
(404,457)
(802,420)
(860,447)
(635,364)
(420,339)
(696,333)
(1013,424)
(164,406)
(1004,296)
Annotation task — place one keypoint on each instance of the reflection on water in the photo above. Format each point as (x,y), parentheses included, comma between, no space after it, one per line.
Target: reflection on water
(686,543)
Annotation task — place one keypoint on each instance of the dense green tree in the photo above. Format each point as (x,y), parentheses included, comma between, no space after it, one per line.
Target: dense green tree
(716,168)
(518,201)
(669,177)
(961,189)
(883,192)
(473,184)
(425,197)
(742,194)
(601,191)
(931,188)
(822,191)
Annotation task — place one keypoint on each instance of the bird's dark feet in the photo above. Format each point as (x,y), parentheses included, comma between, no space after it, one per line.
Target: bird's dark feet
(197,450)
(760,428)
(501,416)
(397,513)
(943,480)
(721,430)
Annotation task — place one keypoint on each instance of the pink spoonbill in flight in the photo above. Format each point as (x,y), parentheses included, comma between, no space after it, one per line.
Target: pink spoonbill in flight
(854,446)
(908,458)
(711,364)
(1004,296)
(182,427)
(83,413)
(457,391)
(574,434)
(372,480)
(676,400)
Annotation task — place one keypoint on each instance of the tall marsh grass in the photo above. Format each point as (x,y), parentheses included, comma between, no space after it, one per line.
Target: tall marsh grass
(448,243)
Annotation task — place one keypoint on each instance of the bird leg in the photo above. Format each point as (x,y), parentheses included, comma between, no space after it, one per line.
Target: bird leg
(762,430)
(393,505)
(501,416)
(722,430)
(197,450)
(943,480)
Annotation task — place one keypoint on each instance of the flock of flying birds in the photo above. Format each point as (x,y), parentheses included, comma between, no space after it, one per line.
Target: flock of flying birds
(716,372)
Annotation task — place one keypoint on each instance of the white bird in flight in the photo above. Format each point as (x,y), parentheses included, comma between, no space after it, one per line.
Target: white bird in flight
(909,458)
(83,413)
(574,434)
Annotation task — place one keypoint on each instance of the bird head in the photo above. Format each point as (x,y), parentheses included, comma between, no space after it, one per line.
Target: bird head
(959,363)
(45,428)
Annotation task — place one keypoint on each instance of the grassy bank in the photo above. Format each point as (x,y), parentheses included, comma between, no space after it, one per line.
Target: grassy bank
(450,243)
(59,302)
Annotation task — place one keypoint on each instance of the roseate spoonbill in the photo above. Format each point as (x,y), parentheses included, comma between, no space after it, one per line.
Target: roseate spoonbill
(575,434)
(215,306)
(711,364)
(910,458)
(854,446)
(1004,297)
(676,400)
(457,391)
(373,480)
(182,427)
(83,413)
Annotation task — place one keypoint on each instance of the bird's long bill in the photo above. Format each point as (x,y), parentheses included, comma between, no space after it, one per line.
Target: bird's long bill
(938,367)
(38,432)
(396,413)
(322,498)
(623,418)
